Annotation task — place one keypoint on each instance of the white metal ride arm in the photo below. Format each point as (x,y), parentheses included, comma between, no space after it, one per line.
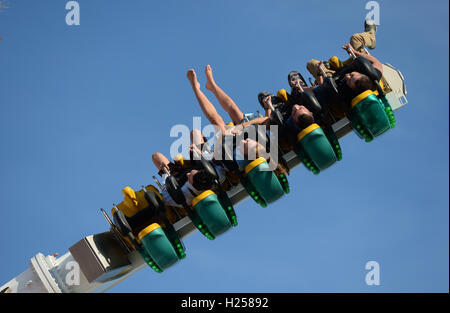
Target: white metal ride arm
(98,262)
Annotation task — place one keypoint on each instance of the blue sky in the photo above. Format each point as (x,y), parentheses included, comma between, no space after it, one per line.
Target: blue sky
(82,109)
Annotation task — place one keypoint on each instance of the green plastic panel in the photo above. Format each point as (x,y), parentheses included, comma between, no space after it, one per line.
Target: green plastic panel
(318,149)
(159,248)
(213,215)
(148,259)
(266,183)
(388,110)
(370,115)
(225,202)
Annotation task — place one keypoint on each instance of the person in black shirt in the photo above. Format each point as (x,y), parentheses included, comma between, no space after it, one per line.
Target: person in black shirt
(193,180)
(349,84)
(295,117)
(298,85)
(352,84)
(264,98)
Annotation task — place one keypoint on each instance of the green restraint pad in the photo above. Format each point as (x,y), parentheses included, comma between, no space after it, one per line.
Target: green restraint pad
(159,248)
(369,117)
(212,213)
(265,182)
(317,147)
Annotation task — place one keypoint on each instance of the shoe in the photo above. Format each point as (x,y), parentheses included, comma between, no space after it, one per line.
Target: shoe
(369,25)
(373,45)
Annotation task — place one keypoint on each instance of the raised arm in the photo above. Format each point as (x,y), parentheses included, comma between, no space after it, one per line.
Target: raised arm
(264,120)
(375,62)
(259,121)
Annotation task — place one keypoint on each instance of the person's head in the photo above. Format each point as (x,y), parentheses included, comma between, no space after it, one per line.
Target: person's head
(200,179)
(262,97)
(302,116)
(359,82)
(294,78)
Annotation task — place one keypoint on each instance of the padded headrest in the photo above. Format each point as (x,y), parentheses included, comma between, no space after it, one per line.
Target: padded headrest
(205,164)
(154,201)
(360,65)
(179,159)
(311,102)
(330,85)
(121,222)
(155,208)
(295,73)
(282,94)
(277,118)
(129,196)
(262,95)
(228,158)
(364,66)
(174,190)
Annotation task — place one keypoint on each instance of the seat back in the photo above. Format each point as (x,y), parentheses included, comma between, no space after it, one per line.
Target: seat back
(174,190)
(310,101)
(134,201)
(361,65)
(282,94)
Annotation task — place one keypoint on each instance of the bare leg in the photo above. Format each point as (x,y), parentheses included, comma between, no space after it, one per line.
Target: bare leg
(160,160)
(197,144)
(225,101)
(207,107)
(197,137)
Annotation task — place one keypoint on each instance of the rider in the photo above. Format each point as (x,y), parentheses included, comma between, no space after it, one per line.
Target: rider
(352,84)
(222,130)
(236,115)
(349,85)
(193,180)
(357,42)
(367,38)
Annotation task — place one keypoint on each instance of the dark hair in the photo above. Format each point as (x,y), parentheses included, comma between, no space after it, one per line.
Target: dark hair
(261,97)
(304,121)
(295,73)
(203,180)
(363,84)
